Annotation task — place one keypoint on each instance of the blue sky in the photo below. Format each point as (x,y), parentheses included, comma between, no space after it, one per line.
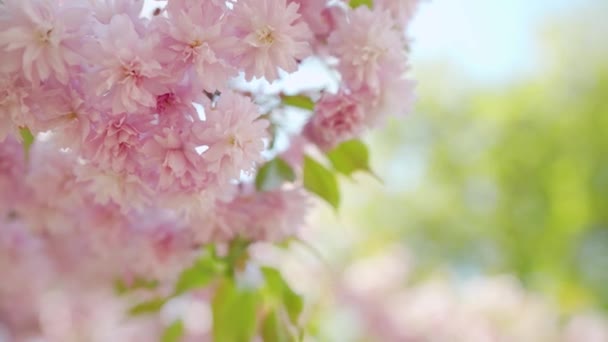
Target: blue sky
(490,40)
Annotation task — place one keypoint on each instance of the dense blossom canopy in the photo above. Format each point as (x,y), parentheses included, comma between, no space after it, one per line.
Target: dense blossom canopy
(129,140)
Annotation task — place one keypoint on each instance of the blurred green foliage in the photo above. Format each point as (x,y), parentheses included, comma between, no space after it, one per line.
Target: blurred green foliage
(510,178)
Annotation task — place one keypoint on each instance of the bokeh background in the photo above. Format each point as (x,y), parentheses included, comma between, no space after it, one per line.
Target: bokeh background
(501,171)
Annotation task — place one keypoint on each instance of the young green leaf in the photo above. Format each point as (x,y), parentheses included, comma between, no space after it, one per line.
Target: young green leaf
(234,313)
(174,332)
(150,306)
(357,3)
(273,330)
(279,289)
(299,101)
(237,256)
(349,157)
(28,139)
(321,181)
(272,174)
(121,287)
(204,270)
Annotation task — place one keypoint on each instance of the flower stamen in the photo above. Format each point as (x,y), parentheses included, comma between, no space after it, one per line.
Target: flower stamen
(265,35)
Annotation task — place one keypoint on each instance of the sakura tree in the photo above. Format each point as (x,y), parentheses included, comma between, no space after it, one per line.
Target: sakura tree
(142,154)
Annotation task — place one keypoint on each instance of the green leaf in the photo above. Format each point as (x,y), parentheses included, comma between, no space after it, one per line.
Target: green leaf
(299,101)
(272,174)
(278,288)
(349,157)
(237,255)
(194,277)
(357,3)
(273,330)
(204,270)
(150,306)
(139,283)
(321,181)
(174,332)
(234,313)
(294,305)
(120,287)
(28,139)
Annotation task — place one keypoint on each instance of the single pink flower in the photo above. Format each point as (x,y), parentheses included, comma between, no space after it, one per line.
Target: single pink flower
(175,106)
(114,145)
(367,44)
(46,36)
(198,37)
(129,66)
(174,110)
(180,165)
(271,37)
(336,118)
(65,111)
(234,135)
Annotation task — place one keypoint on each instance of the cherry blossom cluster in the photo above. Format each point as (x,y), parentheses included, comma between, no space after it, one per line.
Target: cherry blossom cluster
(128,140)
(146,104)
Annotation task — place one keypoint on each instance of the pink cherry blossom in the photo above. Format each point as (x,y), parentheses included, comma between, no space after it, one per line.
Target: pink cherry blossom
(271,37)
(234,135)
(395,99)
(175,111)
(46,36)
(197,35)
(401,10)
(114,145)
(268,216)
(12,168)
(175,107)
(318,15)
(126,190)
(336,118)
(174,151)
(67,113)
(367,44)
(55,191)
(104,10)
(294,155)
(129,66)
(281,214)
